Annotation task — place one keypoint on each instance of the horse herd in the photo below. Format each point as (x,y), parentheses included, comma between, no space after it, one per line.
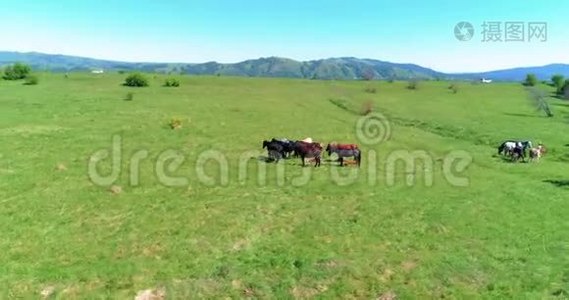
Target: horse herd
(285,148)
(517,150)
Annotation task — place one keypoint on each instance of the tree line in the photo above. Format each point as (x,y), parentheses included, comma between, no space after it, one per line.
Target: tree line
(559,82)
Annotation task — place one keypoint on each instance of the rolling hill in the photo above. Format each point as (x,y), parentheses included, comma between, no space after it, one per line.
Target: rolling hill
(343,68)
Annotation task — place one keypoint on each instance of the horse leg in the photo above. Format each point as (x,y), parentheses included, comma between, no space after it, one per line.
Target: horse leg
(302,158)
(317,160)
(341,161)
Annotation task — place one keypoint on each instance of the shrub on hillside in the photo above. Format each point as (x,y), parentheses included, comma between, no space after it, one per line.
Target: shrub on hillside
(531,80)
(371,90)
(558,82)
(368,74)
(367,108)
(172,82)
(31,80)
(175,123)
(129,96)
(413,84)
(565,89)
(454,88)
(136,80)
(16,71)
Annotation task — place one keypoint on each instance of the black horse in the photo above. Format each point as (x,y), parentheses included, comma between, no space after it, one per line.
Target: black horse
(508,147)
(520,150)
(275,150)
(288,146)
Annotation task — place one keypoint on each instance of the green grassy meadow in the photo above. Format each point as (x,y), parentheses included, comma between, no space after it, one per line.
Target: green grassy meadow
(504,235)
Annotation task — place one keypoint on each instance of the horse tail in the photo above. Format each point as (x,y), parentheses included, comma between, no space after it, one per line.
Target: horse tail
(359,157)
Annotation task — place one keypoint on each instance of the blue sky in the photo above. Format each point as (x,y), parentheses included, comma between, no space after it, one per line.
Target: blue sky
(420,32)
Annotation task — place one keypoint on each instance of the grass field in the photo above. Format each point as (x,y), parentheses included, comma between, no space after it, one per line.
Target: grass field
(295,235)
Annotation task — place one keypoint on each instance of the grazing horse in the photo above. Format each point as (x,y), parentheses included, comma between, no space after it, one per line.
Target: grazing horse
(288,146)
(345,150)
(536,153)
(308,150)
(519,150)
(508,147)
(307,140)
(275,150)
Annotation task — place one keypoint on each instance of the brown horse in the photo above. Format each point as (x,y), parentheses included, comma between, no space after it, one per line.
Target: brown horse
(342,147)
(308,150)
(536,153)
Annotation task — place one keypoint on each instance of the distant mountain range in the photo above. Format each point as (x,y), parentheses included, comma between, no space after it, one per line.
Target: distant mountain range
(344,68)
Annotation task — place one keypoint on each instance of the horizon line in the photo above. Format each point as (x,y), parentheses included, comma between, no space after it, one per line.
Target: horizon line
(281,57)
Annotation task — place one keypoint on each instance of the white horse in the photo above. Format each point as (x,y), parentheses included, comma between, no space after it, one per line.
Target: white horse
(508,147)
(536,153)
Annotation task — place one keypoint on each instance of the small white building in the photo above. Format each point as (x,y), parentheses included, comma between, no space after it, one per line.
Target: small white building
(484,80)
(98,71)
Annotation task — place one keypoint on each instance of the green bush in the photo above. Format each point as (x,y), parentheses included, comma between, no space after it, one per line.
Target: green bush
(172,82)
(371,90)
(531,80)
(129,96)
(367,108)
(31,80)
(136,80)
(16,72)
(565,89)
(558,82)
(454,88)
(175,123)
(413,84)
